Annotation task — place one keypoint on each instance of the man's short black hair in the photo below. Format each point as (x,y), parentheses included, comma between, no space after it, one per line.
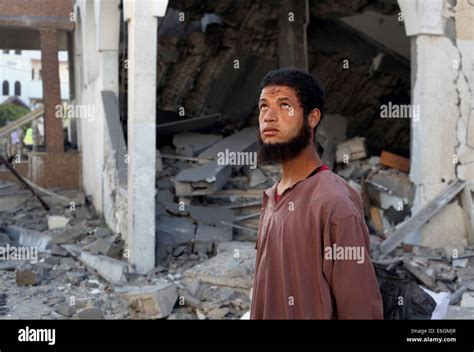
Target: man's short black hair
(308,89)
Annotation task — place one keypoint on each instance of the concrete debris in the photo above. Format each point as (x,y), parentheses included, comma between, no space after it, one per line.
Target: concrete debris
(352,149)
(210,215)
(55,222)
(106,247)
(66,310)
(256,176)
(192,143)
(101,232)
(29,275)
(226,269)
(175,230)
(467,300)
(233,151)
(110,269)
(58,251)
(29,238)
(395,183)
(202,180)
(207,236)
(150,302)
(91,313)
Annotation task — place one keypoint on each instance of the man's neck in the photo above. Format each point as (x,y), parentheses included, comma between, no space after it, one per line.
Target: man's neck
(299,168)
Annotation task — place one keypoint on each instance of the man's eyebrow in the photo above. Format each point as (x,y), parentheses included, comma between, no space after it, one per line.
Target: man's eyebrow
(279,99)
(284,98)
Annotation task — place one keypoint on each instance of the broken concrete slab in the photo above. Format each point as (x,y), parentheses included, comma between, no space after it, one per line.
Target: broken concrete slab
(242,141)
(211,177)
(207,236)
(175,230)
(106,247)
(150,302)
(394,182)
(226,269)
(68,234)
(193,143)
(30,238)
(100,232)
(110,269)
(202,180)
(166,199)
(58,251)
(256,176)
(187,299)
(210,215)
(351,149)
(422,217)
(55,221)
(467,300)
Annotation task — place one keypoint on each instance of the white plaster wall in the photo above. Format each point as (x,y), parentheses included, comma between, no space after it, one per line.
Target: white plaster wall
(98,157)
(442,85)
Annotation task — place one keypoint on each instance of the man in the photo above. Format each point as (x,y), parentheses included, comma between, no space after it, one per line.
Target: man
(313,245)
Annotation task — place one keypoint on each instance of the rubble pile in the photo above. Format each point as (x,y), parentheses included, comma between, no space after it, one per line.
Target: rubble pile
(388,196)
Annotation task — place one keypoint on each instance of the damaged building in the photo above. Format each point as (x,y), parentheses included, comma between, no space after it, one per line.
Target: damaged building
(150,207)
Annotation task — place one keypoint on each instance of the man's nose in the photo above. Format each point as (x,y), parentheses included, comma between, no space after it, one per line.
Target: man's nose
(270,115)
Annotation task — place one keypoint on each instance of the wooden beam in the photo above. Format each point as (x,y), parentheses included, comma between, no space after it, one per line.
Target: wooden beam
(21,121)
(20,178)
(422,217)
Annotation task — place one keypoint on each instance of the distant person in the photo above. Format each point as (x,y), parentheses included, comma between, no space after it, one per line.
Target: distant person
(28,140)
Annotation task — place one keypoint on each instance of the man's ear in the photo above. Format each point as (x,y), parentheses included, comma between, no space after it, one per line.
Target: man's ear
(314,117)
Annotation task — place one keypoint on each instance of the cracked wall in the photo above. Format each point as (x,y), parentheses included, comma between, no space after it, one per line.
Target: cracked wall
(442,139)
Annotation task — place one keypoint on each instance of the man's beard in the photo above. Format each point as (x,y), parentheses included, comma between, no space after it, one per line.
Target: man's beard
(271,153)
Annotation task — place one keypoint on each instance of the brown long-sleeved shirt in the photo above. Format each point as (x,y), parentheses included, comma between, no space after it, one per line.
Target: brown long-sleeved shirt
(313,254)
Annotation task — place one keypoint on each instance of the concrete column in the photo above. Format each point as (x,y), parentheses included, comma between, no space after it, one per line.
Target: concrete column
(142,46)
(51,90)
(292,23)
(438,87)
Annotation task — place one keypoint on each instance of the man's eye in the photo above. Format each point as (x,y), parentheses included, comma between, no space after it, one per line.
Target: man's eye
(263,107)
(285,105)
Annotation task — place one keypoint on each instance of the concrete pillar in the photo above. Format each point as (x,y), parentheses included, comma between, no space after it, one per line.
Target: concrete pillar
(292,43)
(437,86)
(142,45)
(51,90)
